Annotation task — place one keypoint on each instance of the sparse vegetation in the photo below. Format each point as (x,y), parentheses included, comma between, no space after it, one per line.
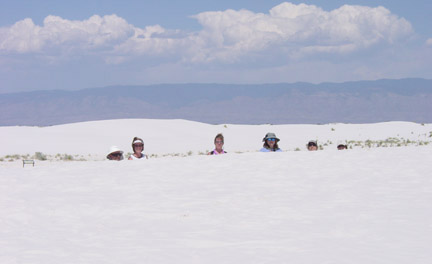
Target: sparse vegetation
(40,156)
(389,142)
(422,140)
(67,157)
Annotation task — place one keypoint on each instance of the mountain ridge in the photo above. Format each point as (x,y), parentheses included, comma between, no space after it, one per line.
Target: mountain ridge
(349,102)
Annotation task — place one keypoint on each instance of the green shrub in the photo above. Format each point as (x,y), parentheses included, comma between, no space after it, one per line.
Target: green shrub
(40,156)
(67,157)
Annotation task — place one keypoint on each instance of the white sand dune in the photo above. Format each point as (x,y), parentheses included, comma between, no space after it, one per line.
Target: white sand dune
(363,205)
(181,136)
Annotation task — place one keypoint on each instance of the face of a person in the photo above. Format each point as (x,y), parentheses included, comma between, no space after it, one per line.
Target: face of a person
(219,143)
(312,147)
(116,156)
(271,142)
(138,148)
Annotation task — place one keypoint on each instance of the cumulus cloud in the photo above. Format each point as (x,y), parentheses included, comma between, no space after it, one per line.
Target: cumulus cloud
(301,29)
(287,30)
(56,32)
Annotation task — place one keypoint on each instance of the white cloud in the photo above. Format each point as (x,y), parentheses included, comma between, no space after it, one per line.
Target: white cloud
(56,32)
(301,28)
(287,31)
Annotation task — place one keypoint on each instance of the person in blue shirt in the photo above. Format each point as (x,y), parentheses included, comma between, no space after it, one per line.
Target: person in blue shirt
(270,143)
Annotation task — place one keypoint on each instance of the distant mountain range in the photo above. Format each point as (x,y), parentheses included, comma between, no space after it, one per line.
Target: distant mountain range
(284,103)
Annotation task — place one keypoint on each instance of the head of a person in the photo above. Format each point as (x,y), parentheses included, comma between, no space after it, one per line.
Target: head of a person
(342,147)
(219,141)
(271,141)
(312,145)
(115,153)
(137,145)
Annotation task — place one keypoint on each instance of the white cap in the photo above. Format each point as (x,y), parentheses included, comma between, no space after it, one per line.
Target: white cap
(114,149)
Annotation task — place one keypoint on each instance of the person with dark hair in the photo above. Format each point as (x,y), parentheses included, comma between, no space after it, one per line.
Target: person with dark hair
(115,153)
(270,143)
(138,148)
(219,142)
(342,147)
(312,145)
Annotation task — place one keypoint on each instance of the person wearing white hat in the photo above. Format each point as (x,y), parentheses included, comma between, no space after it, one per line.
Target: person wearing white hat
(115,153)
(138,148)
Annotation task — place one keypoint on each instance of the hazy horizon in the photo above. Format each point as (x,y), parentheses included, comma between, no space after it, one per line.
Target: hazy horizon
(282,103)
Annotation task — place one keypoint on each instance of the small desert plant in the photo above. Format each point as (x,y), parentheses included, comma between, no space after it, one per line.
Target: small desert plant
(15,156)
(67,157)
(40,156)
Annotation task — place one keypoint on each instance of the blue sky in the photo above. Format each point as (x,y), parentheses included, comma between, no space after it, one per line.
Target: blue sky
(80,44)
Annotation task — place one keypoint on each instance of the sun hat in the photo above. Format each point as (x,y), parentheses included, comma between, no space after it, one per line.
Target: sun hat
(114,149)
(270,135)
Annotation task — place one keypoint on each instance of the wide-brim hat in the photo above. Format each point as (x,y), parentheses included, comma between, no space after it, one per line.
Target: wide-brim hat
(270,135)
(114,149)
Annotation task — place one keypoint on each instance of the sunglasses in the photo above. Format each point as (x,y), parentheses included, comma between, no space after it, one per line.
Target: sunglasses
(218,141)
(312,144)
(116,154)
(138,145)
(271,139)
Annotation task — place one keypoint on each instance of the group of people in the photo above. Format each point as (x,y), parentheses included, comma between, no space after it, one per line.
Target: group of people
(270,145)
(137,147)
